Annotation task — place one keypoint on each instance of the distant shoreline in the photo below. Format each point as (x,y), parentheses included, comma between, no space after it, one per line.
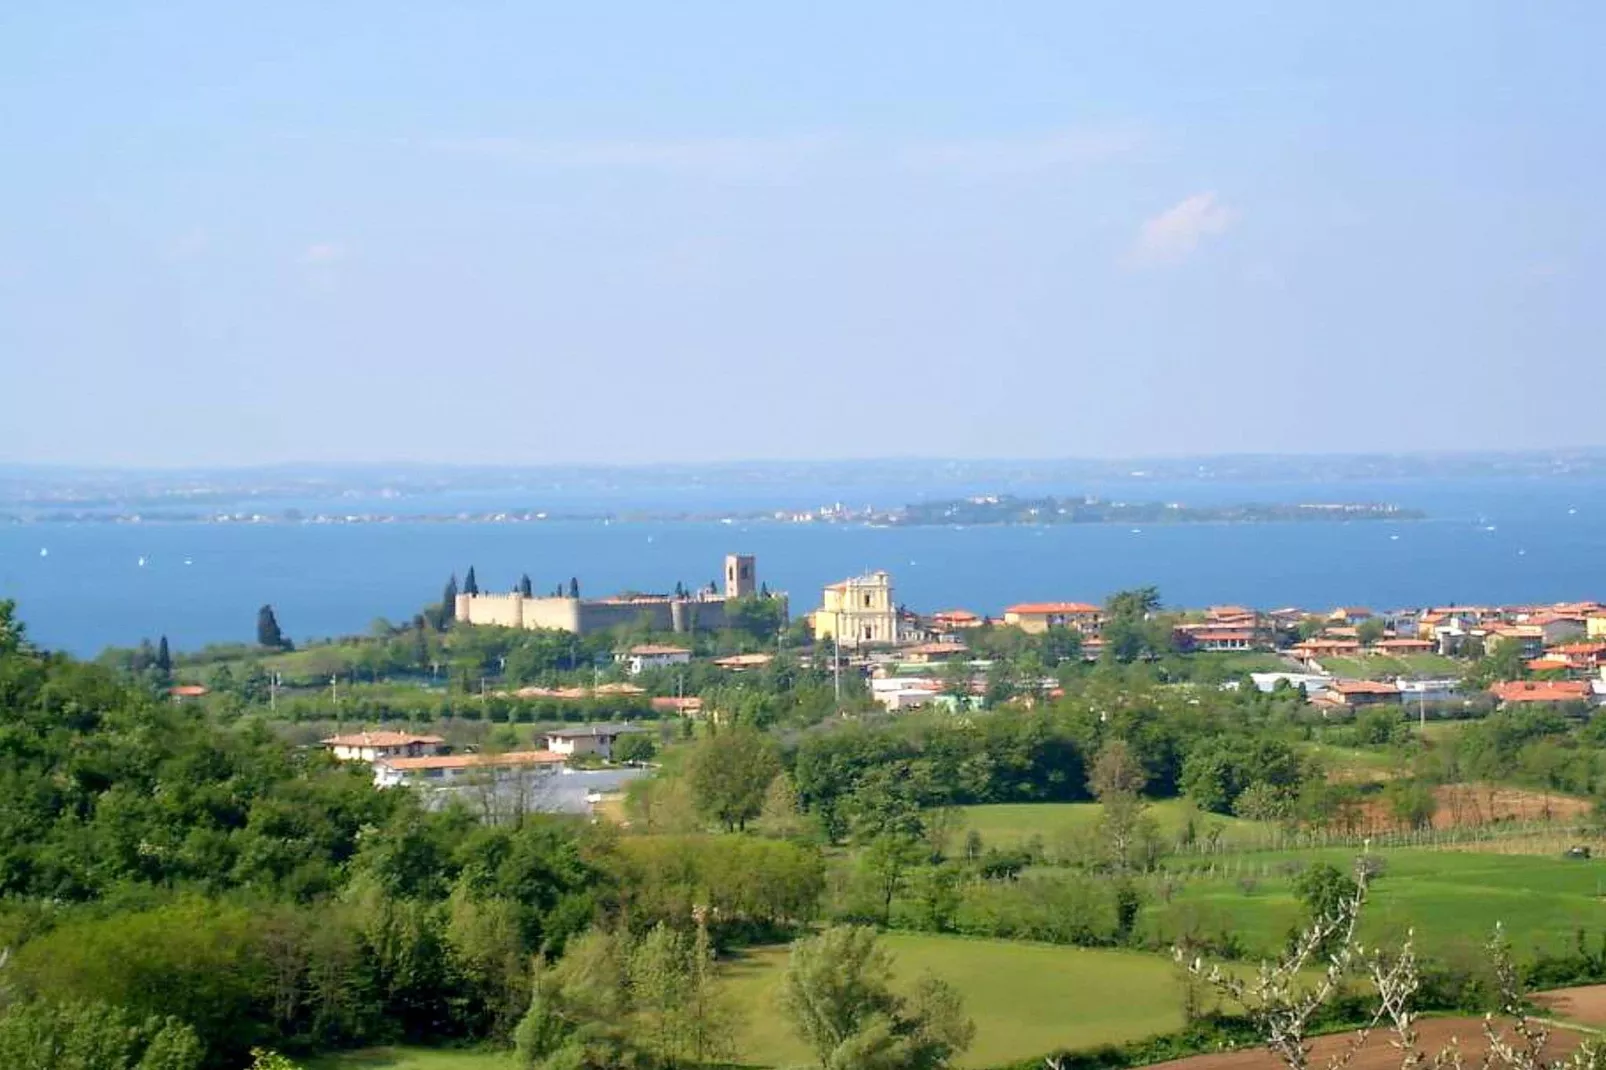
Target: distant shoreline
(989,512)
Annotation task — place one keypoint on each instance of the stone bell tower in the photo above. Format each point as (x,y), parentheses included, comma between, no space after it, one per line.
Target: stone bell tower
(741,576)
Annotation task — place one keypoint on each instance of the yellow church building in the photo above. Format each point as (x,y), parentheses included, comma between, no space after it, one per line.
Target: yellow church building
(858,612)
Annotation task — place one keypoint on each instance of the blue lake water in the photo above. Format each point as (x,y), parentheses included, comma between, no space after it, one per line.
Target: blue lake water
(1486,541)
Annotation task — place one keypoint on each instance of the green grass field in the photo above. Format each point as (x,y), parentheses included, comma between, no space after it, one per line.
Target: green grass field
(1010,824)
(1026,999)
(1453,899)
(1376,666)
(404,1058)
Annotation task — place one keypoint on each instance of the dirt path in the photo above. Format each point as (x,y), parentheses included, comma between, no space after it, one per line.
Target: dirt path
(1585,1004)
(1436,1033)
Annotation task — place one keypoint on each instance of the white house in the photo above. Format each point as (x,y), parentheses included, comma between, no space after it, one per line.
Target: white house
(372,746)
(595,739)
(651,656)
(447,768)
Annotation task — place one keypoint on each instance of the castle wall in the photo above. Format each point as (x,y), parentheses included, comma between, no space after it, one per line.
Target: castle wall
(500,610)
(562,614)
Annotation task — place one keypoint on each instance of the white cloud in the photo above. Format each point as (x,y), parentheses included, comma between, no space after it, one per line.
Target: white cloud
(1176,232)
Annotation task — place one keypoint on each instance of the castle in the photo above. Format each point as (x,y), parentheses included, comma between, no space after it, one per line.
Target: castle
(703,610)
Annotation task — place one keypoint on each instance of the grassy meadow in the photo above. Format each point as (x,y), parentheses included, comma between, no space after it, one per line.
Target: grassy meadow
(1007,825)
(1026,999)
(406,1058)
(1377,666)
(1452,898)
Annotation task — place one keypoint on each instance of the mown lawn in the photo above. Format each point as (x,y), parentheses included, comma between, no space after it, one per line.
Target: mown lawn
(1026,999)
(407,1058)
(1452,898)
(1376,666)
(1011,824)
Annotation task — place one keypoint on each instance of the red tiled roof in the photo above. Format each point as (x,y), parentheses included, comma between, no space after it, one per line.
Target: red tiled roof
(188,691)
(938,648)
(379,739)
(1362,687)
(1542,691)
(744,661)
(648,650)
(954,615)
(1404,644)
(1043,609)
(671,704)
(465,761)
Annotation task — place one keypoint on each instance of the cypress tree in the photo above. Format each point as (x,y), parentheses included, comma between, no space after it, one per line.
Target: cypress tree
(524,585)
(268,633)
(164,657)
(574,587)
(470,584)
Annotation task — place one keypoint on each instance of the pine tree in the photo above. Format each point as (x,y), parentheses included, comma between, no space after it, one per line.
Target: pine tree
(164,657)
(470,584)
(574,587)
(524,585)
(268,633)
(448,604)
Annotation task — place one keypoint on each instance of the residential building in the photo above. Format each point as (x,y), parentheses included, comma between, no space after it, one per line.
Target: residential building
(373,746)
(1354,694)
(1518,692)
(1403,646)
(1313,649)
(744,662)
(953,620)
(927,653)
(1217,637)
(638,659)
(858,612)
(446,768)
(595,739)
(1038,617)
(1350,615)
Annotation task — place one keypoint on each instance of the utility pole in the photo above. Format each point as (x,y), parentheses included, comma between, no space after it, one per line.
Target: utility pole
(273,691)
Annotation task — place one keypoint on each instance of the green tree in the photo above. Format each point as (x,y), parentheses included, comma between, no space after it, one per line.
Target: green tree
(164,658)
(574,587)
(1370,630)
(39,1035)
(1117,780)
(838,994)
(524,587)
(635,747)
(1326,892)
(268,633)
(447,611)
(471,585)
(729,774)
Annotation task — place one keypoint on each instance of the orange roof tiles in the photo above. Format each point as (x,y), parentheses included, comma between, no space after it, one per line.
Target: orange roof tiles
(380,739)
(1542,691)
(465,761)
(1043,609)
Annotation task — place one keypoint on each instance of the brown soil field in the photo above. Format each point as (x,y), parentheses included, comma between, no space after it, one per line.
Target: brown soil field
(1464,805)
(1585,1004)
(1435,1033)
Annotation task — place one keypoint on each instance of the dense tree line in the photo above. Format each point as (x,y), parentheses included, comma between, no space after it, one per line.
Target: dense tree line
(198,890)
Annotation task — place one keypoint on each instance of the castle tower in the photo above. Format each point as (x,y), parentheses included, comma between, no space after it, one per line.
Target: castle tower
(741,576)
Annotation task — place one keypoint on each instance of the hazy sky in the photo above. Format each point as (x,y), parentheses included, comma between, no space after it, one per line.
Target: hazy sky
(631,232)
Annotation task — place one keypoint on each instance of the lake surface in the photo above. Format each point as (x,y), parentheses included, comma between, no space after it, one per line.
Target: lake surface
(1486,541)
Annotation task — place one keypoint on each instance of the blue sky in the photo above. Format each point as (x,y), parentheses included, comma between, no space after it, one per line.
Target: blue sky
(632,232)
